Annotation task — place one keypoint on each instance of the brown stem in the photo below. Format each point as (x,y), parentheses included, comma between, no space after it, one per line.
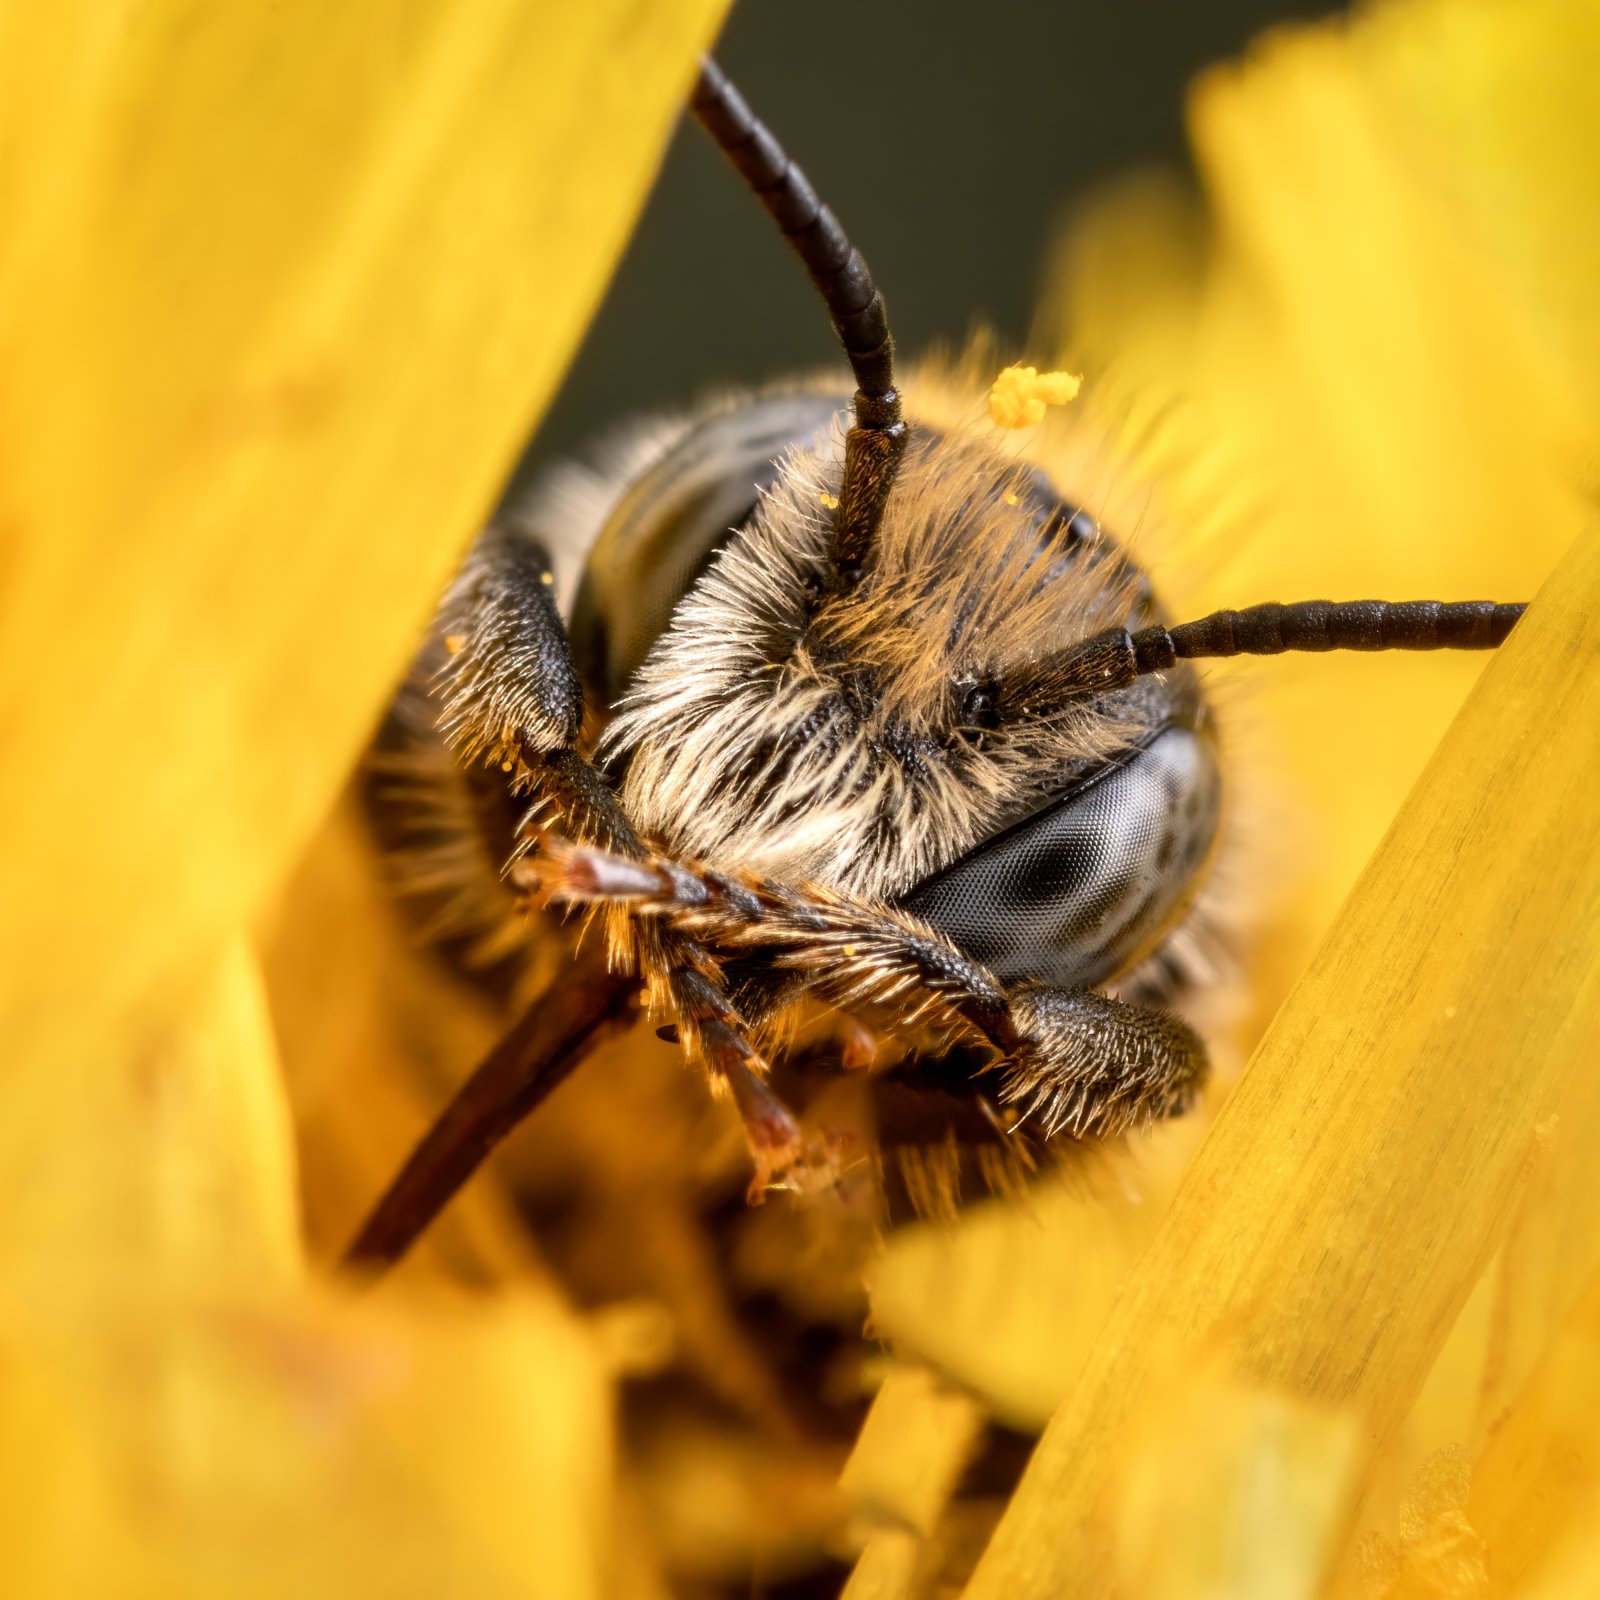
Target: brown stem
(584,1008)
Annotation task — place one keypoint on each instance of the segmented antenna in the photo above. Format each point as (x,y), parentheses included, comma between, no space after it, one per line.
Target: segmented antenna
(1270,630)
(875,441)
(1112,660)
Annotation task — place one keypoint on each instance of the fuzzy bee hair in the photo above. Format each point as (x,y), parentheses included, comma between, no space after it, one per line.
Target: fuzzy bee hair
(829,738)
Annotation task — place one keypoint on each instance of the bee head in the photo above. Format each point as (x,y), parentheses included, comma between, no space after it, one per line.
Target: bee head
(916,671)
(873,730)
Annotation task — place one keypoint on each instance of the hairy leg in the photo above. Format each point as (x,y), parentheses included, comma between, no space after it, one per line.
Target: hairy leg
(510,688)
(513,700)
(1074,1061)
(533,1057)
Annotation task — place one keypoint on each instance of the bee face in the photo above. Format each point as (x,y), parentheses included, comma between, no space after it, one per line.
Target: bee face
(853,737)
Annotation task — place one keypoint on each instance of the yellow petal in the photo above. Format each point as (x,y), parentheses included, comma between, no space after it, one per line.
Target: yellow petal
(901,1473)
(1233,1489)
(1537,1478)
(1496,106)
(1344,1204)
(1046,1272)
(1574,1568)
(215,1445)
(283,289)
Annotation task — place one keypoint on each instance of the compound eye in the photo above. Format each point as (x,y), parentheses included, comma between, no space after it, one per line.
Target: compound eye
(1075,893)
(665,528)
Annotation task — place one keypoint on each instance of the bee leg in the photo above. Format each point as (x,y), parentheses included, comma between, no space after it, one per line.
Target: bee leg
(1080,1062)
(855,952)
(513,698)
(776,1147)
(1073,1061)
(685,993)
(1093,1067)
(713,1033)
(512,695)
(510,688)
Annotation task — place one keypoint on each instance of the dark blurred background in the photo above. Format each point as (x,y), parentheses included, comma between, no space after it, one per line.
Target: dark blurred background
(949,137)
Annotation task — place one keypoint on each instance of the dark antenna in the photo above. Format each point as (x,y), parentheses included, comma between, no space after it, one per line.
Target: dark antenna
(1114,659)
(874,443)
(1269,630)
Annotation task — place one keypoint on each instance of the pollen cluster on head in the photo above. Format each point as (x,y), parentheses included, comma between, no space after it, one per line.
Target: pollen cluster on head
(1018,397)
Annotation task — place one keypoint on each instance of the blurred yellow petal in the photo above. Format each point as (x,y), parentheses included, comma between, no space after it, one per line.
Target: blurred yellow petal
(1539,1473)
(1487,96)
(1046,1272)
(900,1475)
(353,998)
(283,288)
(1574,1568)
(1402,429)
(1336,1218)
(206,1446)
(1233,1490)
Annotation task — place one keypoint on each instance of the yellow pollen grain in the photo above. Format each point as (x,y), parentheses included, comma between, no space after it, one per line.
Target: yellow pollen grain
(1019,395)
(547,578)
(1011,500)
(831,501)
(851,950)
(454,642)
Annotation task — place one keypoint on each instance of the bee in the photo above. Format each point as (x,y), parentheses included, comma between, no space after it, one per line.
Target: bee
(870,748)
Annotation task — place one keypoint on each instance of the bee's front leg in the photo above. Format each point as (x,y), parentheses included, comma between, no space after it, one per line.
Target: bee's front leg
(513,701)
(1089,1066)
(1077,1062)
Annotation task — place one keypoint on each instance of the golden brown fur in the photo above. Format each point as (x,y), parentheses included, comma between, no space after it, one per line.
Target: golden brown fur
(814,736)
